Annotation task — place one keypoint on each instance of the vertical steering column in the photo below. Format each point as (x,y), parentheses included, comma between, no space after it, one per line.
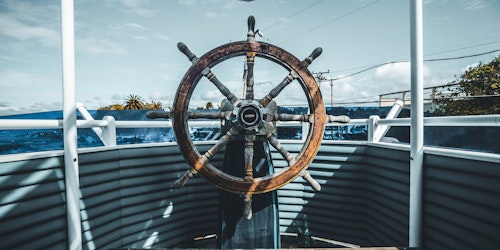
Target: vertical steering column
(249,81)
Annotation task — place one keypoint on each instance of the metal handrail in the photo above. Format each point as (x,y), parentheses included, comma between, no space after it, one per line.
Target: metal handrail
(469,120)
(473,120)
(377,127)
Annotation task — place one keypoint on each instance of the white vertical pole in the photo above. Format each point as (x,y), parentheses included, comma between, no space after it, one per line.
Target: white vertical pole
(417,123)
(71,177)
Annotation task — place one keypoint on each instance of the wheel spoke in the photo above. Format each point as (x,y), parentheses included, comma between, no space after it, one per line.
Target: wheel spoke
(309,118)
(158,114)
(249,142)
(222,88)
(209,115)
(338,118)
(207,73)
(181,182)
(290,117)
(289,78)
(314,184)
(205,158)
(277,145)
(277,90)
(316,52)
(249,81)
(247,206)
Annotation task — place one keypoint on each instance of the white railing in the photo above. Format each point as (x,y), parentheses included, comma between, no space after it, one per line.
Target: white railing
(105,129)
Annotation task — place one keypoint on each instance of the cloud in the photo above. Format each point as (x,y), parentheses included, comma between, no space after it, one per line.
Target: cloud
(133,3)
(36,107)
(473,4)
(210,14)
(137,7)
(16,29)
(100,46)
(117,97)
(45,106)
(230,5)
(468,67)
(187,2)
(132,30)
(18,79)
(4,104)
(135,26)
(392,77)
(29,22)
(162,37)
(159,96)
(10,111)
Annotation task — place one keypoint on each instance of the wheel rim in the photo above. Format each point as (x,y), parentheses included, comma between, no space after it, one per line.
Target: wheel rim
(205,168)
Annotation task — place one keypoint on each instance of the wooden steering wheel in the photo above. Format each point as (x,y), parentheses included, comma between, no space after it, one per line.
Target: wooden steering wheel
(249,116)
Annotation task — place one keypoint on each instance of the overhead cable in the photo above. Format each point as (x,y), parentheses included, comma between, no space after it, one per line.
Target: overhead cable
(426,60)
(292,15)
(330,21)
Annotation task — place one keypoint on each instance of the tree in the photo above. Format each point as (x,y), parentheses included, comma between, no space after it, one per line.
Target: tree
(113,107)
(475,92)
(209,105)
(134,102)
(153,106)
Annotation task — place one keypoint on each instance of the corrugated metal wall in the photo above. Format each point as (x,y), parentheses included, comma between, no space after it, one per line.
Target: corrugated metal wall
(32,210)
(128,199)
(387,193)
(131,202)
(461,203)
(363,200)
(339,210)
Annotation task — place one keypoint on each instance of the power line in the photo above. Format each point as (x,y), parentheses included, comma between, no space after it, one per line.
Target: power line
(461,57)
(426,60)
(331,21)
(292,15)
(432,54)
(342,102)
(468,47)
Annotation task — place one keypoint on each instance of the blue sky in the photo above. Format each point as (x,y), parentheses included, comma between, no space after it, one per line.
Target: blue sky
(129,47)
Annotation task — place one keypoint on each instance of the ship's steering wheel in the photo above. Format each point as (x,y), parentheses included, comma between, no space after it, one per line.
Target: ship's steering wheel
(249,116)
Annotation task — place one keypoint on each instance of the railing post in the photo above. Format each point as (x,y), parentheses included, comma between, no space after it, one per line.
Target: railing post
(381,130)
(372,127)
(109,132)
(71,171)
(85,113)
(417,124)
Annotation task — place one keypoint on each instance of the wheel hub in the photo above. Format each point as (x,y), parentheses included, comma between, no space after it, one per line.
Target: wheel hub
(249,116)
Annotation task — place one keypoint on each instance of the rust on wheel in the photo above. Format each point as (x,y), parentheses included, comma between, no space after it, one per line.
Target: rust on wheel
(249,114)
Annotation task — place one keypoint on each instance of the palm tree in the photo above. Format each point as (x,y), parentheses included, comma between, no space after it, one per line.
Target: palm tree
(134,102)
(112,107)
(209,105)
(154,106)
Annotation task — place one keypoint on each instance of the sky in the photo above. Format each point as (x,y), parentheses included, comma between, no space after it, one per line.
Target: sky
(128,47)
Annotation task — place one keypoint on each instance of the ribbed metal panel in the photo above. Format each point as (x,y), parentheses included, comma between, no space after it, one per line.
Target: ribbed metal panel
(339,210)
(363,200)
(32,210)
(461,203)
(387,193)
(128,199)
(131,201)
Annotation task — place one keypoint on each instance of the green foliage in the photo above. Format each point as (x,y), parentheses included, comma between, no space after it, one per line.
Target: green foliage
(476,92)
(112,107)
(134,102)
